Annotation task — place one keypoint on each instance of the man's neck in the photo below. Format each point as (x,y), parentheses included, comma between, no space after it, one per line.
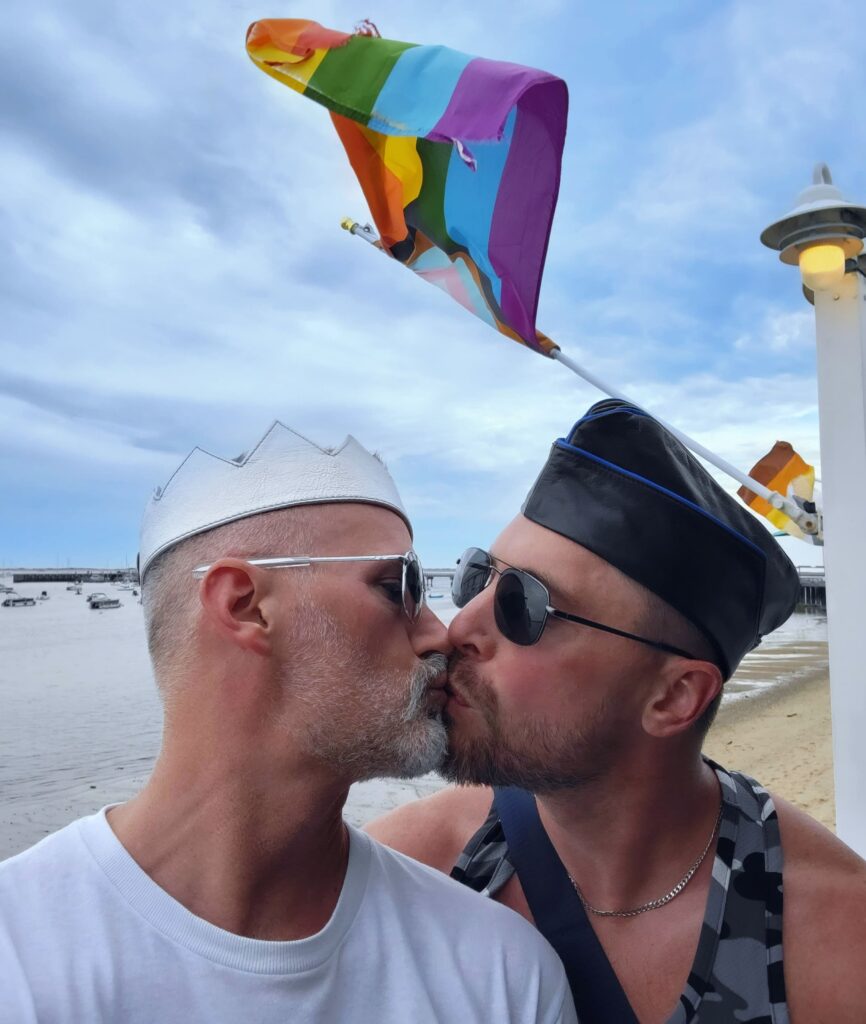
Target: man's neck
(629,837)
(262,859)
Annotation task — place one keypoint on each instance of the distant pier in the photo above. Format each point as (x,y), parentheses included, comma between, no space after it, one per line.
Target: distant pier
(74,575)
(444,575)
(813,588)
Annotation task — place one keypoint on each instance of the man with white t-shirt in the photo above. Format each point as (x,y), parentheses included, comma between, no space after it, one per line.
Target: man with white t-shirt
(294,655)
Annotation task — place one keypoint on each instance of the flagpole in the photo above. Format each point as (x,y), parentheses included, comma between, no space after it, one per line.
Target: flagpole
(360,230)
(807,522)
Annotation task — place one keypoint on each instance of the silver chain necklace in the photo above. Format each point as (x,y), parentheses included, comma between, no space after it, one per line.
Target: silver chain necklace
(662,900)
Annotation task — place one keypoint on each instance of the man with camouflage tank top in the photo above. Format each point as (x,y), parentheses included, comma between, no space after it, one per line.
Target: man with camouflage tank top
(589,660)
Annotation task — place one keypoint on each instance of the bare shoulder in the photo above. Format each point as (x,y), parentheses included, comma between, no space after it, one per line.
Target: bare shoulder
(813,853)
(824,921)
(435,830)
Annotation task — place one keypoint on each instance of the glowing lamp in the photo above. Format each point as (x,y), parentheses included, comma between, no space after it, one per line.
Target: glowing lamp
(820,233)
(822,266)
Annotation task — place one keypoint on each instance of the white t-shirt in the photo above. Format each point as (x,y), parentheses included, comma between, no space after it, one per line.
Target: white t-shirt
(87,937)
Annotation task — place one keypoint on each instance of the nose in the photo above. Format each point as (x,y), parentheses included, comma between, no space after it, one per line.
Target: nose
(429,635)
(473,629)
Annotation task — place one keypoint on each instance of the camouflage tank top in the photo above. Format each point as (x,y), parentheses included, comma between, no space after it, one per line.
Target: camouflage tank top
(737,972)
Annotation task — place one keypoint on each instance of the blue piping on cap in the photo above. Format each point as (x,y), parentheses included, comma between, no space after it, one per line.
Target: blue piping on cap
(632,409)
(562,443)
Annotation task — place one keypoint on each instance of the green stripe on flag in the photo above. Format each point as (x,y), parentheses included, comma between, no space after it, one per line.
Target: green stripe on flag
(350,78)
(428,210)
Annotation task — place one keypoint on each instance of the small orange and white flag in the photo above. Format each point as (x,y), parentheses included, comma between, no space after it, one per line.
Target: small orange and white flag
(784,471)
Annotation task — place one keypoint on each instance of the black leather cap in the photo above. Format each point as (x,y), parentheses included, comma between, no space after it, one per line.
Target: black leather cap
(624,487)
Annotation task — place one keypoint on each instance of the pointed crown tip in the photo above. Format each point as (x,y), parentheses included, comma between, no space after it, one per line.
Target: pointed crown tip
(207,490)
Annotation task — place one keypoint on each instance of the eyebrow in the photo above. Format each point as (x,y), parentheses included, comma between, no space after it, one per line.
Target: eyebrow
(532,572)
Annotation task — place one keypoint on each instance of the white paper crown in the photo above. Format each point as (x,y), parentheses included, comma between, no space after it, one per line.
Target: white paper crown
(283,469)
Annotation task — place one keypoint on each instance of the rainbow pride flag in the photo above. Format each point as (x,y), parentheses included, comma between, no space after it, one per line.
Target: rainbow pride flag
(786,472)
(458,157)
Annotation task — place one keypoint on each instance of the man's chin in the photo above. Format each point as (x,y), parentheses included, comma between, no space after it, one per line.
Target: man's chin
(488,763)
(468,765)
(424,751)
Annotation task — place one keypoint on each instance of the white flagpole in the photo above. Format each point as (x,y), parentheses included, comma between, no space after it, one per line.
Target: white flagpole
(807,522)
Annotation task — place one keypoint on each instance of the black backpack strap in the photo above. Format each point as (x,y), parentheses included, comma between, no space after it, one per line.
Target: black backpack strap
(558,912)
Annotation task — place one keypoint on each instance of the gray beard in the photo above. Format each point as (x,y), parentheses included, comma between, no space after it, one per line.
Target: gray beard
(360,721)
(419,743)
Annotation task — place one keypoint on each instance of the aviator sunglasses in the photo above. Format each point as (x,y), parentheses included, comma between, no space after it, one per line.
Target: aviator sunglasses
(521,603)
(413,584)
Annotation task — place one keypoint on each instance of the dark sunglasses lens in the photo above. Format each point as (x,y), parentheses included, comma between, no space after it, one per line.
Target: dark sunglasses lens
(414,595)
(520,607)
(473,572)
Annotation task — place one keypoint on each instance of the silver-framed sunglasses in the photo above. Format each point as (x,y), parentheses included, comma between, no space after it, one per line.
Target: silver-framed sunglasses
(413,583)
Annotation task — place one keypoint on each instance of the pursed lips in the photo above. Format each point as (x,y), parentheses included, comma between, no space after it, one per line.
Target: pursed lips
(438,688)
(453,695)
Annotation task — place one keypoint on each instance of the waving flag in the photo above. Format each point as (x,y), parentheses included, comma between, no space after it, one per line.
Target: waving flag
(784,471)
(458,157)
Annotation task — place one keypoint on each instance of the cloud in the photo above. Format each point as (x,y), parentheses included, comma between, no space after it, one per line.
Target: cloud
(174,274)
(697,190)
(782,332)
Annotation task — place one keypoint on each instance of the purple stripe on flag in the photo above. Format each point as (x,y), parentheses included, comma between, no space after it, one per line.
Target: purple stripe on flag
(523,215)
(485,93)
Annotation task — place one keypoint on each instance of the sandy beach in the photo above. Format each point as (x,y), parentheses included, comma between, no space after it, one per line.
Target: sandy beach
(782,738)
(81,720)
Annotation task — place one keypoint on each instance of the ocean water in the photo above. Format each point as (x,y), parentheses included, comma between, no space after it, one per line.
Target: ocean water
(80,721)
(797,650)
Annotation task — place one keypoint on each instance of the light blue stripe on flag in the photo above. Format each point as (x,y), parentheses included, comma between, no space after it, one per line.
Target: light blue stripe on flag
(435,267)
(479,306)
(470,197)
(417,91)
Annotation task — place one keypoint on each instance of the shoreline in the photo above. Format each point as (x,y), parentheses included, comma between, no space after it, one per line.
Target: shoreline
(781,736)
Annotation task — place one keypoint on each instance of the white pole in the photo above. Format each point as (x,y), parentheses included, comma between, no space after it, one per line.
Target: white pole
(359,230)
(840,317)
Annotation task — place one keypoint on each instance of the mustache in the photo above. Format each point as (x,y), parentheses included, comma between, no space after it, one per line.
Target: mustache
(461,671)
(465,680)
(431,668)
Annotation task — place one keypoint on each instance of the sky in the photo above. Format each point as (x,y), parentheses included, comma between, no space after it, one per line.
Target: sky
(173,273)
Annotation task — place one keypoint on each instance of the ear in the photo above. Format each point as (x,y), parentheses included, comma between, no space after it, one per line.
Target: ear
(682,695)
(233,594)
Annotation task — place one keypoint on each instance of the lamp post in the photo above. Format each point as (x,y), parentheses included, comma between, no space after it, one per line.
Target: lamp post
(824,235)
